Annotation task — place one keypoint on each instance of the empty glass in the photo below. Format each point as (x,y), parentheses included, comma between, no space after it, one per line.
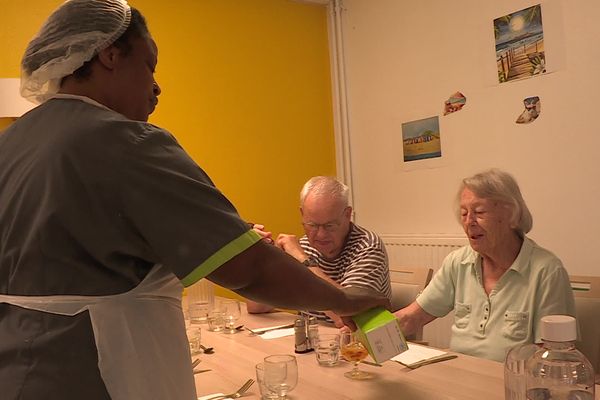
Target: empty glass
(327,349)
(216,320)
(281,374)
(232,314)
(354,351)
(198,312)
(514,370)
(194,336)
(265,393)
(200,299)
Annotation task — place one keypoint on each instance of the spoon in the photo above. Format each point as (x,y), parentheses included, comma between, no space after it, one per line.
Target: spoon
(195,363)
(207,350)
(239,328)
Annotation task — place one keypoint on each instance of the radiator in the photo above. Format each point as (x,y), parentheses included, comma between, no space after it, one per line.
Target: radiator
(425,251)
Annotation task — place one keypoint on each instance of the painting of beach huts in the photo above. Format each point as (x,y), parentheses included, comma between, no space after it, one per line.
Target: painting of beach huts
(520,44)
(421,139)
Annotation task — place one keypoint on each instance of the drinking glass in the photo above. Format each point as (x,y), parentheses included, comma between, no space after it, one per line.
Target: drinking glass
(198,312)
(514,371)
(265,393)
(232,314)
(216,320)
(200,300)
(281,374)
(327,349)
(194,336)
(354,351)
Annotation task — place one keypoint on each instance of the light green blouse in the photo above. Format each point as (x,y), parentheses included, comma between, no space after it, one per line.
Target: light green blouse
(485,326)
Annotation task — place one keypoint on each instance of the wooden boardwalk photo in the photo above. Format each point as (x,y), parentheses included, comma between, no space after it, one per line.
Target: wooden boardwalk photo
(520,44)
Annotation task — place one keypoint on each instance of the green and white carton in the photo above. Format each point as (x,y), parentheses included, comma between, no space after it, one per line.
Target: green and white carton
(379,331)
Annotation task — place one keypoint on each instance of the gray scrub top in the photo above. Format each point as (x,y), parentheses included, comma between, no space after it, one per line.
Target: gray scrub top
(89,202)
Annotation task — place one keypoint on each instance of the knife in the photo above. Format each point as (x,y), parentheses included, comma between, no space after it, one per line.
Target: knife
(199,371)
(371,363)
(431,360)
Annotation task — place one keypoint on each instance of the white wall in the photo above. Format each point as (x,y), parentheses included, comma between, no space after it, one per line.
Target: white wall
(404,58)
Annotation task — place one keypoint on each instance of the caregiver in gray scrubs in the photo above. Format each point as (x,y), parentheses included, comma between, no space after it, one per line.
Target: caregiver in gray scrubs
(104,216)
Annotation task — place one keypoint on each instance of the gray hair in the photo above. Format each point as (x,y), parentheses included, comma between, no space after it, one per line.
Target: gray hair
(500,186)
(325,185)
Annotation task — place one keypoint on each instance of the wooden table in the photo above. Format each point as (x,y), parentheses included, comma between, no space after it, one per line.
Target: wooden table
(235,356)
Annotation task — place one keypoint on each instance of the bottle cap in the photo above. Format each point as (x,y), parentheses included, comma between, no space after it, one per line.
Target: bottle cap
(559,328)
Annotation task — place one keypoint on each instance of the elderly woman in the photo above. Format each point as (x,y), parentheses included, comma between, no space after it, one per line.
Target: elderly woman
(502,283)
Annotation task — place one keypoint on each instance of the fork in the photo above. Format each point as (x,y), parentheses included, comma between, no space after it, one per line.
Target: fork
(235,395)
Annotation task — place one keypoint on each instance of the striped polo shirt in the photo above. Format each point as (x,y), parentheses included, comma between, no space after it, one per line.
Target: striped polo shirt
(363,262)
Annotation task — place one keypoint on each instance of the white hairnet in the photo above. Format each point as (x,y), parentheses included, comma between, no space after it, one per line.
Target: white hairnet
(72,35)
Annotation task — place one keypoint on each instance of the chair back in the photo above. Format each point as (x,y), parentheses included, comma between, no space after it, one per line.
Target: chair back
(586,290)
(407,283)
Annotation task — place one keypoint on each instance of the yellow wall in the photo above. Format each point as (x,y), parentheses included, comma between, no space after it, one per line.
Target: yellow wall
(5,122)
(246,90)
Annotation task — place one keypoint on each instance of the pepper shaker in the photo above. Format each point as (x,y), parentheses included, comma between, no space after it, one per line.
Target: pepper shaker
(301,340)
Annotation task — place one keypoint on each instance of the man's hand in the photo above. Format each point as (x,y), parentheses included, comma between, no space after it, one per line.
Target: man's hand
(291,245)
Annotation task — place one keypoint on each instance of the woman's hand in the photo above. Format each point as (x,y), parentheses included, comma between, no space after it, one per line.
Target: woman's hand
(266,235)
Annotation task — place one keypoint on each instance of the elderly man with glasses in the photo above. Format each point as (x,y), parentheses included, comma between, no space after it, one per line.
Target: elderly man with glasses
(335,249)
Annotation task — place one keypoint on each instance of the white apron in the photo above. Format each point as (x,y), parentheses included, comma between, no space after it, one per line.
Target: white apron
(143,352)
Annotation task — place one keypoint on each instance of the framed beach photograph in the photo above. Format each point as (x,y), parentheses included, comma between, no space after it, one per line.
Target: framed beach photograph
(421,139)
(519,40)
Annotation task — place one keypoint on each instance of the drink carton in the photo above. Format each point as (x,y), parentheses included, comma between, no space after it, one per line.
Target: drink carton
(379,331)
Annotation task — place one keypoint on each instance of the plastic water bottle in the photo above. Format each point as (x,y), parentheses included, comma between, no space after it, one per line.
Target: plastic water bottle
(558,371)
(514,370)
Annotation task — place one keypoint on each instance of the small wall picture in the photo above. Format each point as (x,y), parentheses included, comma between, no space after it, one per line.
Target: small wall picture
(533,107)
(520,44)
(454,103)
(421,139)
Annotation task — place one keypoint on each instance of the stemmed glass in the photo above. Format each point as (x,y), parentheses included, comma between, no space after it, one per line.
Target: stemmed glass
(281,374)
(232,314)
(354,351)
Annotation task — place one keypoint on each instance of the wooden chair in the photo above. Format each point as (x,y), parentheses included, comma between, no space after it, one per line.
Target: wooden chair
(586,290)
(407,283)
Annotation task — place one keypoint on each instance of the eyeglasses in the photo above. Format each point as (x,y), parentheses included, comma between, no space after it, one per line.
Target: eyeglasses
(327,227)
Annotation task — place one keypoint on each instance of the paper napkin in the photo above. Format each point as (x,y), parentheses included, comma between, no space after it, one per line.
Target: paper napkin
(278,333)
(416,353)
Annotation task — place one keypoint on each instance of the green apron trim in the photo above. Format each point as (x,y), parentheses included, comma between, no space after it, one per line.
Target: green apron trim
(219,258)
